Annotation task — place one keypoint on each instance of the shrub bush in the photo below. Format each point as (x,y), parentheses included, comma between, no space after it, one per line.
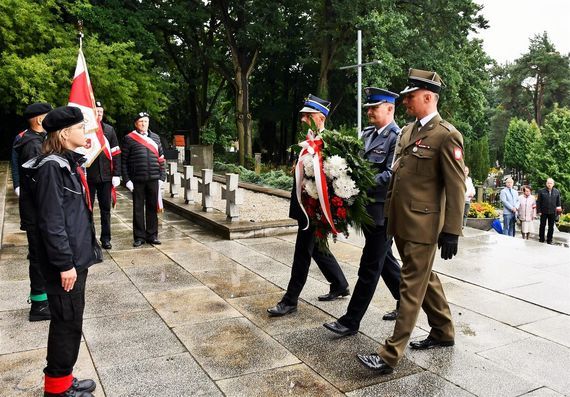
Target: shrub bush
(482,210)
(278,179)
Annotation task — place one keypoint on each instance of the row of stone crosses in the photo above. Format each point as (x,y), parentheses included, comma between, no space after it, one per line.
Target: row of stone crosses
(190,184)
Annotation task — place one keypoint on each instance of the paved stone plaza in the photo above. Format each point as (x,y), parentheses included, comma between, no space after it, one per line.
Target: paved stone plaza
(188,318)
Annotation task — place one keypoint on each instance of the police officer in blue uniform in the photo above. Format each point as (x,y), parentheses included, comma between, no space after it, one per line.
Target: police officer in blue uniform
(377,258)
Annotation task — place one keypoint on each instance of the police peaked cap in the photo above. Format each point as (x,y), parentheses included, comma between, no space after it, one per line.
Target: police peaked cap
(422,79)
(62,117)
(376,96)
(36,109)
(315,104)
(140,115)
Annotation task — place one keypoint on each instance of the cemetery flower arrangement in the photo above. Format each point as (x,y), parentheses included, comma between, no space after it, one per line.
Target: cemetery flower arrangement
(333,181)
(481,210)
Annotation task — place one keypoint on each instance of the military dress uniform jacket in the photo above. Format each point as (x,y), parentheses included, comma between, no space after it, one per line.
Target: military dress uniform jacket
(427,192)
(100,169)
(379,151)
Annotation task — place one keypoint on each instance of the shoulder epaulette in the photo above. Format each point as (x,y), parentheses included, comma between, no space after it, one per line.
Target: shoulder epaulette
(447,125)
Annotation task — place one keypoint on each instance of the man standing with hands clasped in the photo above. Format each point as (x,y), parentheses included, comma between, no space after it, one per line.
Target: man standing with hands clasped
(143,171)
(103,175)
(425,211)
(377,258)
(548,206)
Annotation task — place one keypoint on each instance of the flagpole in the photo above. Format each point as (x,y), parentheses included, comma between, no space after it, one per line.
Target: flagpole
(80,33)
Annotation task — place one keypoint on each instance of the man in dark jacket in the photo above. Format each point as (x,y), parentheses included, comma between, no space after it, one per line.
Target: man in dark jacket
(27,145)
(103,175)
(315,109)
(143,171)
(548,206)
(377,258)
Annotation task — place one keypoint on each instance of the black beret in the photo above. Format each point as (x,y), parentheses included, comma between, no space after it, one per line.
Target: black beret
(98,104)
(141,115)
(36,109)
(61,117)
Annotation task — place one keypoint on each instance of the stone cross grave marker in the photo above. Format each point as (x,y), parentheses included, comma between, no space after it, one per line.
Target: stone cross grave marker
(173,178)
(206,187)
(232,194)
(190,184)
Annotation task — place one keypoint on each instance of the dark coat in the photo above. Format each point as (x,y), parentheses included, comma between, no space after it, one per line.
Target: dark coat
(547,203)
(64,223)
(100,169)
(379,151)
(139,164)
(27,147)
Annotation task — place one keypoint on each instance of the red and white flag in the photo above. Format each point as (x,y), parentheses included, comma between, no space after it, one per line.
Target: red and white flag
(81,96)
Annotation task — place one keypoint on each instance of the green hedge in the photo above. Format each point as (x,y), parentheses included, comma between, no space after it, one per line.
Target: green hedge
(277,178)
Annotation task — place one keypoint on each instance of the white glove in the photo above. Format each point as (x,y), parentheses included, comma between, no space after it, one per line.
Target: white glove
(116,181)
(17,190)
(130,185)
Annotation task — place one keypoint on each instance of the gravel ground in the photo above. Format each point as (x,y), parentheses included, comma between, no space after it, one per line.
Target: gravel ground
(256,207)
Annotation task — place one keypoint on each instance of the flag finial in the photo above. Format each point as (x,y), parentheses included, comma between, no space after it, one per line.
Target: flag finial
(80,32)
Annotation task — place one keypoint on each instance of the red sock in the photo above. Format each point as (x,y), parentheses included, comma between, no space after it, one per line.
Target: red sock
(58,385)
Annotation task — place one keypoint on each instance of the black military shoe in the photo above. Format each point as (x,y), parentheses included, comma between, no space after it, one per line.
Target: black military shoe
(154,241)
(331,296)
(430,343)
(138,243)
(375,362)
(391,316)
(106,245)
(84,385)
(281,309)
(339,329)
(40,311)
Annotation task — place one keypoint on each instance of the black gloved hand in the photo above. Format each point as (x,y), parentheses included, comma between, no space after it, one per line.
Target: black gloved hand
(448,244)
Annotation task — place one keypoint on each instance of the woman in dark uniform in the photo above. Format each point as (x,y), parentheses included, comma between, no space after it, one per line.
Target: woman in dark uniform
(67,244)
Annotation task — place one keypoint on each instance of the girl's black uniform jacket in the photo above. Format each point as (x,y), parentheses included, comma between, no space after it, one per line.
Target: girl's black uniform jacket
(64,222)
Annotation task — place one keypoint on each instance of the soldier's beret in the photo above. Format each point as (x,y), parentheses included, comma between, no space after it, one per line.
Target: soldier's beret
(376,96)
(36,109)
(314,104)
(62,117)
(422,79)
(140,115)
(98,104)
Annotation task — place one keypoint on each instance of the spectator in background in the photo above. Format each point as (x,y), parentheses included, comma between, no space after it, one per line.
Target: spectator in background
(510,200)
(527,211)
(548,207)
(469,194)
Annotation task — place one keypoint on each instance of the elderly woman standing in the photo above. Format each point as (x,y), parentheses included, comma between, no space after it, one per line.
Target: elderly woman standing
(527,211)
(67,244)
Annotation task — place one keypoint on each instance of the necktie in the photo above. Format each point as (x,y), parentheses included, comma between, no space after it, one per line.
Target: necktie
(83,179)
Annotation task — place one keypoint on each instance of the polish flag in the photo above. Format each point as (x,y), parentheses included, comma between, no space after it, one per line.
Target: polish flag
(81,96)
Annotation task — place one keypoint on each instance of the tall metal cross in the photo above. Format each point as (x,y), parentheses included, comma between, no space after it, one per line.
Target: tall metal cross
(359,65)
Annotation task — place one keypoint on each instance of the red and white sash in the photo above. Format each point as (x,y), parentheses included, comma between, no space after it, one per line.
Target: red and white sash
(151,145)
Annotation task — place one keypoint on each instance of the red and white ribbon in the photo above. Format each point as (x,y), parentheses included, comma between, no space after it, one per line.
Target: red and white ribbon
(311,151)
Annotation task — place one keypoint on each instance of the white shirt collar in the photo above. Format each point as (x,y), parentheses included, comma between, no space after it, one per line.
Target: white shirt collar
(143,133)
(426,119)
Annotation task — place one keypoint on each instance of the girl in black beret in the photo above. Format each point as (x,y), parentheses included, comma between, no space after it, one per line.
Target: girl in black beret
(68,245)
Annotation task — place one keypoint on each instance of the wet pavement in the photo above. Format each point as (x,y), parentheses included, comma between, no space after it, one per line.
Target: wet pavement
(188,318)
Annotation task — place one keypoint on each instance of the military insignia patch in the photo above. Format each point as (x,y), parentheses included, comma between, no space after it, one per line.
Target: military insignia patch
(457,153)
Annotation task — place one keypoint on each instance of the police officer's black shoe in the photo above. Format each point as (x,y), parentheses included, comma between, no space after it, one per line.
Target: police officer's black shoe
(376,363)
(138,243)
(106,245)
(391,316)
(153,241)
(84,385)
(40,311)
(339,329)
(331,296)
(281,309)
(429,343)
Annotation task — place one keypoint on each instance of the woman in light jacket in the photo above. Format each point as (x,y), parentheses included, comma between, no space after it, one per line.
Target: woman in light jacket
(527,211)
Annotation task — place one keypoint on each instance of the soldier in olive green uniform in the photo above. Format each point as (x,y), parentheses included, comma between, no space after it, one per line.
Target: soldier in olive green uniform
(424,210)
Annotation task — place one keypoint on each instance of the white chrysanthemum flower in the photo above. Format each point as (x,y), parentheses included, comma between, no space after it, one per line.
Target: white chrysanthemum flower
(311,188)
(335,166)
(345,187)
(308,166)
